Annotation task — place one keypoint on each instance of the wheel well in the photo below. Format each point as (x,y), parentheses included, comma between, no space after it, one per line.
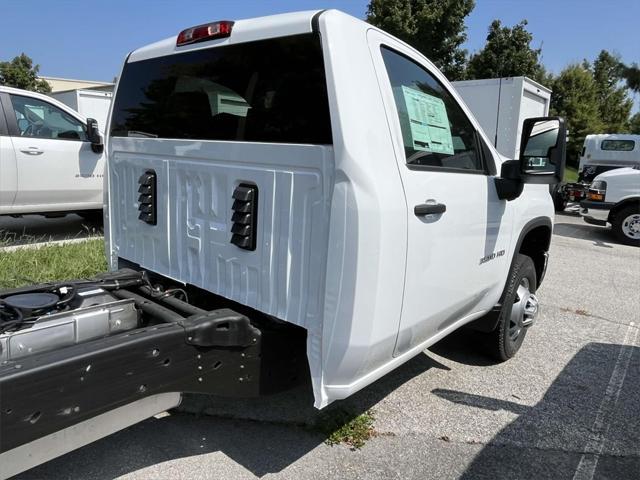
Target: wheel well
(535,245)
(622,205)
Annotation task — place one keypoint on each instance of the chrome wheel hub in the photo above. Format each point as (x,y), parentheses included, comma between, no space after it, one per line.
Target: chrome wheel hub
(524,310)
(631,226)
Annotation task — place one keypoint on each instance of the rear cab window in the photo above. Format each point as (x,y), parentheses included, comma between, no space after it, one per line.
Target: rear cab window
(263,91)
(618,145)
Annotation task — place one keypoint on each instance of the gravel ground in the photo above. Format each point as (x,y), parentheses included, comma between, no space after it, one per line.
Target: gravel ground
(566,407)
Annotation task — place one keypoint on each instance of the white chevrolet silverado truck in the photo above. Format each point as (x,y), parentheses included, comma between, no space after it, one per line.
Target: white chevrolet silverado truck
(51,159)
(293,198)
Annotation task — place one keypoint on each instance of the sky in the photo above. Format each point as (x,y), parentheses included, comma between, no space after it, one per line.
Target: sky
(89,40)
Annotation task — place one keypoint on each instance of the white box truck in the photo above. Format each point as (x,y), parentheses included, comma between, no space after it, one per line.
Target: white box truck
(310,228)
(88,103)
(501,105)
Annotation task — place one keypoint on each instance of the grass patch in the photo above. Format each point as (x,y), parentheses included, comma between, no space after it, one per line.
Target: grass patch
(54,262)
(570,174)
(340,426)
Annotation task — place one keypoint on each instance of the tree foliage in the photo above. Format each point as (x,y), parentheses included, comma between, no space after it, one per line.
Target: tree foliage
(434,27)
(22,73)
(507,53)
(634,124)
(631,73)
(614,105)
(575,97)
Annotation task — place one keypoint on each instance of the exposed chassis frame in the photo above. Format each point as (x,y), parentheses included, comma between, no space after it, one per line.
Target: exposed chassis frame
(218,352)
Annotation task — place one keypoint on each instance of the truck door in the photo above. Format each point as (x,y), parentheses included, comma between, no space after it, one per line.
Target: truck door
(56,167)
(8,176)
(458,229)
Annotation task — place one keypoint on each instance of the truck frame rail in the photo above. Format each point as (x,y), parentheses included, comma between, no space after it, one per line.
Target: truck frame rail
(185,349)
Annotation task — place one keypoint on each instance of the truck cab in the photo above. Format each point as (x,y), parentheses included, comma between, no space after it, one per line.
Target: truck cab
(296,196)
(377,224)
(51,158)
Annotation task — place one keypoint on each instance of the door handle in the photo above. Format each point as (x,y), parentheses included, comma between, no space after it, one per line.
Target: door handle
(32,151)
(429,209)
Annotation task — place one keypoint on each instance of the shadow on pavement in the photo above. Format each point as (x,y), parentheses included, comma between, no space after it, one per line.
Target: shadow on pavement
(590,414)
(590,400)
(36,228)
(285,429)
(600,236)
(463,346)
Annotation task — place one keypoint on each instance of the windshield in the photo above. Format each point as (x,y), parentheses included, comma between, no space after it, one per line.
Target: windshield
(265,91)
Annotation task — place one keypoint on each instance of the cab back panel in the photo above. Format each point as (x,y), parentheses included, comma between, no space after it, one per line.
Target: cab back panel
(284,276)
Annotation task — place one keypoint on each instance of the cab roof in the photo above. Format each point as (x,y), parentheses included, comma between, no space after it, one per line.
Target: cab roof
(246,30)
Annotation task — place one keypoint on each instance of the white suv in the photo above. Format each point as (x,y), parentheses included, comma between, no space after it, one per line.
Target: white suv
(51,159)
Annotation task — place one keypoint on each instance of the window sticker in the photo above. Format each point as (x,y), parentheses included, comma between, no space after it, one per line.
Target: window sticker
(428,121)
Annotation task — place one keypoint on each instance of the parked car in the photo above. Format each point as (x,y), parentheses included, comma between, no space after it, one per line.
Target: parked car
(293,197)
(51,159)
(614,199)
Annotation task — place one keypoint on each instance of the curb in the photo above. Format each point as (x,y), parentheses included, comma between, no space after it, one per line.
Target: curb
(38,245)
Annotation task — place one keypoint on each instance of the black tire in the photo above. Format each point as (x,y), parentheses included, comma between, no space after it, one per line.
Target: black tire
(502,345)
(626,225)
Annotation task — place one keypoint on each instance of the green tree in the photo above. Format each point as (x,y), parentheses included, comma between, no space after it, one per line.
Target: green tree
(575,97)
(434,27)
(507,53)
(631,73)
(22,73)
(634,124)
(614,104)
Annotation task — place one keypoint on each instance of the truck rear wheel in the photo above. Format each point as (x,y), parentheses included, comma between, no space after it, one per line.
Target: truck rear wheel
(626,225)
(518,311)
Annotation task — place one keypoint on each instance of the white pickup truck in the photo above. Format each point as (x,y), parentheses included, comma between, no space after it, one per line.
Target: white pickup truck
(300,197)
(51,159)
(614,198)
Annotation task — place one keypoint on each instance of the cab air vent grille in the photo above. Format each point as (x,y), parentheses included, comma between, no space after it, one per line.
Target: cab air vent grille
(245,213)
(147,198)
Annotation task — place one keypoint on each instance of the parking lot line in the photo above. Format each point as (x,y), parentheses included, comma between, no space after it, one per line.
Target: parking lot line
(589,460)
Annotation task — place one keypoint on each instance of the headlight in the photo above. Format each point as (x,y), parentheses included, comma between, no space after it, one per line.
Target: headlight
(597,191)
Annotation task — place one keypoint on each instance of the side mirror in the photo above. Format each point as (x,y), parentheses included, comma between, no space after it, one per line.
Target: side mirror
(93,134)
(543,150)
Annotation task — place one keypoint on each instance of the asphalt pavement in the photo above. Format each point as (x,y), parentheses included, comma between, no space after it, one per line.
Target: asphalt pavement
(566,407)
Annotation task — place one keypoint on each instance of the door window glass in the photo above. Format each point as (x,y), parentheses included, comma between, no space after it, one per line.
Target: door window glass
(435,131)
(38,119)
